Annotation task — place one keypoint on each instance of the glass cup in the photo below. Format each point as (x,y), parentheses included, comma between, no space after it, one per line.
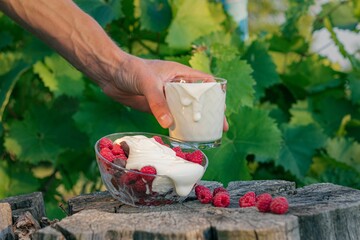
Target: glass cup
(198,106)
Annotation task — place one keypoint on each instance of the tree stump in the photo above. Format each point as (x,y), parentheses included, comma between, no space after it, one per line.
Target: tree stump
(318,211)
(32,202)
(6,231)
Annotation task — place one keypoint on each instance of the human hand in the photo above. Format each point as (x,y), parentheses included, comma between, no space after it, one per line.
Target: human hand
(139,83)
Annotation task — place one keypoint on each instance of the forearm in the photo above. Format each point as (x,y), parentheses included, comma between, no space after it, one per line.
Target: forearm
(71,32)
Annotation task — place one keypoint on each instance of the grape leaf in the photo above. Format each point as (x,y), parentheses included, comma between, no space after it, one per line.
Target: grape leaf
(60,77)
(240,91)
(326,169)
(35,50)
(226,163)
(252,131)
(103,12)
(264,68)
(100,116)
(7,83)
(354,87)
(300,114)
(338,14)
(189,23)
(344,150)
(299,146)
(5,39)
(329,112)
(155,15)
(16,179)
(44,133)
(200,61)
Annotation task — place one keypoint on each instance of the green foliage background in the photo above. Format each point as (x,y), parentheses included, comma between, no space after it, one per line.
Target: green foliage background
(293,114)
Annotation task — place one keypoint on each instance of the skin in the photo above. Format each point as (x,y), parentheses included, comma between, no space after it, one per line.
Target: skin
(132,81)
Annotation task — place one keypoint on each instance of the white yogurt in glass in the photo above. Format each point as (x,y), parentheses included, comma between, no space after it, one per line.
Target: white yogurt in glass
(198,110)
(180,173)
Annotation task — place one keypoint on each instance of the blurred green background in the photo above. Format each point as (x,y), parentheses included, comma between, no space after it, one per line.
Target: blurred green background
(292,102)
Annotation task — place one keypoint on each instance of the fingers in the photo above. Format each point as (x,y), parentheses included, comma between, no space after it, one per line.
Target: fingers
(159,107)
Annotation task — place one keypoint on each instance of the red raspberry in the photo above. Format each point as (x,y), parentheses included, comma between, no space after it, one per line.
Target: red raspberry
(148,170)
(139,186)
(129,178)
(118,152)
(221,199)
(107,154)
(248,200)
(205,196)
(263,202)
(279,205)
(198,188)
(219,189)
(179,152)
(195,157)
(159,140)
(105,143)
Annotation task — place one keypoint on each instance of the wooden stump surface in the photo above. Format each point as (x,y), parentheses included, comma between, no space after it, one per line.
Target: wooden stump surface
(318,211)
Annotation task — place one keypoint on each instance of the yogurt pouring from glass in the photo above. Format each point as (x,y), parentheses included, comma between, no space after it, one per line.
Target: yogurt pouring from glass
(198,110)
(146,151)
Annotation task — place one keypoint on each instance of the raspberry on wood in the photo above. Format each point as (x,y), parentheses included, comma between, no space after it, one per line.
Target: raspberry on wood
(247,200)
(263,202)
(198,188)
(279,205)
(205,196)
(219,189)
(221,199)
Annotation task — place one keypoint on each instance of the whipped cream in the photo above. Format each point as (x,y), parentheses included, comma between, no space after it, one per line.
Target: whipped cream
(182,174)
(198,110)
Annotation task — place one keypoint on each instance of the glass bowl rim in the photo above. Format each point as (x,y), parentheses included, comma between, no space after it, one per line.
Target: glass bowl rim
(146,133)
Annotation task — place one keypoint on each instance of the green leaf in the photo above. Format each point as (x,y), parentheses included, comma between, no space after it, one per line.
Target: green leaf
(226,163)
(36,50)
(200,61)
(7,83)
(296,43)
(60,77)
(354,87)
(339,14)
(239,91)
(329,112)
(258,135)
(155,15)
(264,68)
(299,146)
(104,12)
(189,23)
(44,133)
(344,150)
(16,179)
(5,39)
(300,114)
(100,116)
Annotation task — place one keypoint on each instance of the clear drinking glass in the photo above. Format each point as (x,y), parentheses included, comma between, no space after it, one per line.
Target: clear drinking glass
(198,106)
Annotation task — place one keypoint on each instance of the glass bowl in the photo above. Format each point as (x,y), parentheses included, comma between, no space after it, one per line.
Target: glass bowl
(136,187)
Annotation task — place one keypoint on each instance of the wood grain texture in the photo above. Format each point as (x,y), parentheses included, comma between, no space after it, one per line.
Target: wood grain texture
(32,202)
(6,231)
(318,211)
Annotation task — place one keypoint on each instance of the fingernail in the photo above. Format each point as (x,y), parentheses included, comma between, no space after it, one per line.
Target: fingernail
(166,120)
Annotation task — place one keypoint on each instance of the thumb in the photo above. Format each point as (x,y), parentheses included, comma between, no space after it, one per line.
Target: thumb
(159,107)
